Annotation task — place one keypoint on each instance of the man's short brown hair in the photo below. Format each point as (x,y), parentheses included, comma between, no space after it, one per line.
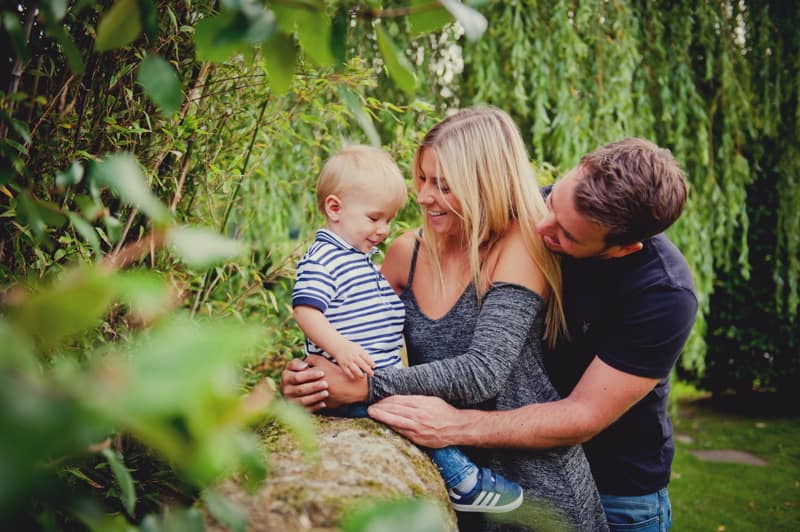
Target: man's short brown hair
(633,188)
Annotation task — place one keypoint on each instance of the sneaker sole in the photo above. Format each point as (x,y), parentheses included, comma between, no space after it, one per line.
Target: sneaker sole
(513,505)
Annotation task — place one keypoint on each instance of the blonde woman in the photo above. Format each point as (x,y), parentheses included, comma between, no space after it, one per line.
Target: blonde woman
(482,296)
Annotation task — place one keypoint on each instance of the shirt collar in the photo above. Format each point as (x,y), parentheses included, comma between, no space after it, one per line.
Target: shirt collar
(326,235)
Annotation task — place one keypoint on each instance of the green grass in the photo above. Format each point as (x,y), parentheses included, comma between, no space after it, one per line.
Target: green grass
(721,497)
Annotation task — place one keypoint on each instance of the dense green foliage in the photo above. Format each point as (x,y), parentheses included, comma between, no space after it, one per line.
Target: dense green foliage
(146,143)
(128,145)
(718,84)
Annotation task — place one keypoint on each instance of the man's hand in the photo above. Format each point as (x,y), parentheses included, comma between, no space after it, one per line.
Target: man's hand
(354,360)
(427,421)
(304,385)
(319,383)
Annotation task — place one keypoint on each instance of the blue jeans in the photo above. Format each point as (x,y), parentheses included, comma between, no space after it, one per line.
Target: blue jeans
(642,513)
(453,464)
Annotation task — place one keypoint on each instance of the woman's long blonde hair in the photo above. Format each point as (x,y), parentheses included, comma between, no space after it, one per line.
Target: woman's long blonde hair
(482,157)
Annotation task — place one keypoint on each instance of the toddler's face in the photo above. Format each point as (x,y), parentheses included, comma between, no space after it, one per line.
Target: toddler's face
(364,217)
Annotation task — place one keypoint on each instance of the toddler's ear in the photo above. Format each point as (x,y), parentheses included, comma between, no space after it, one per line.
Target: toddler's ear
(333,207)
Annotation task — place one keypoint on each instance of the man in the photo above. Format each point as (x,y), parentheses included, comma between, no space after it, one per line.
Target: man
(630,305)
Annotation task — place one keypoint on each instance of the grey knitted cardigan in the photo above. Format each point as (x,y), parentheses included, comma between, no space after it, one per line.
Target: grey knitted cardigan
(489,356)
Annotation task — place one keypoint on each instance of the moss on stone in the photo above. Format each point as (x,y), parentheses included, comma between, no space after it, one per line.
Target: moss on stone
(360,461)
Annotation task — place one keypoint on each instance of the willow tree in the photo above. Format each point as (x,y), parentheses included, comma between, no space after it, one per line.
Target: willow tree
(717,83)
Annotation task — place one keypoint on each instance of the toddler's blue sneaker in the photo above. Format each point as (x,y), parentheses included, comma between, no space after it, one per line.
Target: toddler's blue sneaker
(491,494)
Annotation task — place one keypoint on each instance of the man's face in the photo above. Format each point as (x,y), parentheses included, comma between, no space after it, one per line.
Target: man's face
(565,230)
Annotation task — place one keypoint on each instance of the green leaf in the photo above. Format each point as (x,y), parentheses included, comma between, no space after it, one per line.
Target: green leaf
(279,55)
(261,23)
(298,421)
(339,38)
(202,248)
(55,9)
(208,47)
(353,103)
(19,127)
(121,173)
(149,18)
(420,515)
(86,231)
(74,471)
(145,293)
(236,29)
(161,84)
(123,476)
(227,512)
(38,214)
(313,31)
(90,207)
(73,303)
(113,228)
(397,65)
(71,52)
(14,30)
(176,520)
(71,176)
(119,26)
(472,21)
(430,19)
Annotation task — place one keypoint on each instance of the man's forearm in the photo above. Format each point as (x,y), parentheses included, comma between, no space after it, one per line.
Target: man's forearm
(536,426)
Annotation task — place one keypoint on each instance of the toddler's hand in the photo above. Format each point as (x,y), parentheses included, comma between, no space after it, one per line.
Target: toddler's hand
(354,361)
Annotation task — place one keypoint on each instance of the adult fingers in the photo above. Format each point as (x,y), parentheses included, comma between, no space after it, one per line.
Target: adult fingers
(300,391)
(398,416)
(296,364)
(312,401)
(291,376)
(399,400)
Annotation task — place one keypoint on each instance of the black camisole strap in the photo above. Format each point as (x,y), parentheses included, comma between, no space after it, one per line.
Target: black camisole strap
(413,262)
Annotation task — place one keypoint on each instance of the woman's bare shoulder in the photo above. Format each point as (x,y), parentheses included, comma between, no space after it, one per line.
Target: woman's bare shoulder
(514,263)
(397,263)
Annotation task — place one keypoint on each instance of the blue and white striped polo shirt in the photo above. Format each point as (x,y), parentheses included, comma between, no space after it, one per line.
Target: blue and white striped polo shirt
(342,283)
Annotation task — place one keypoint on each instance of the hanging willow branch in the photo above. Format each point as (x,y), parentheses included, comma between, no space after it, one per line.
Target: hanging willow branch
(708,80)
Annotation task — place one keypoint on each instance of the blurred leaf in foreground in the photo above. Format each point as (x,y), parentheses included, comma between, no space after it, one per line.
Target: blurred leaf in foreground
(73,302)
(161,83)
(122,174)
(201,248)
(419,515)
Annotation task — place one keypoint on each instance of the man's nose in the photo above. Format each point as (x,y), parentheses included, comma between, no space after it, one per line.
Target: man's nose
(546,224)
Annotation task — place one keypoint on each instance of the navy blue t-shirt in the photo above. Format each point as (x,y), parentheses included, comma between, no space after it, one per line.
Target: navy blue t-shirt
(635,314)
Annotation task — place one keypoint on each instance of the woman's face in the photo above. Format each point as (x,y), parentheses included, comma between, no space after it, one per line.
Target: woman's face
(440,207)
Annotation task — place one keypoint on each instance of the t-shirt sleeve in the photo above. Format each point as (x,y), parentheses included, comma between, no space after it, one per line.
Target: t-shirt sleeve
(506,316)
(314,285)
(648,340)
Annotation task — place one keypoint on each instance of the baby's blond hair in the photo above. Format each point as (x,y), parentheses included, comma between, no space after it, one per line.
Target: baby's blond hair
(360,166)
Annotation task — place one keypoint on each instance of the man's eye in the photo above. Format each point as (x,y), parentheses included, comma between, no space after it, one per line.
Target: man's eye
(373,218)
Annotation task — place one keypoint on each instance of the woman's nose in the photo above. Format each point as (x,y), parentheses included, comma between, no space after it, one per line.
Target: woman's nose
(424,195)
